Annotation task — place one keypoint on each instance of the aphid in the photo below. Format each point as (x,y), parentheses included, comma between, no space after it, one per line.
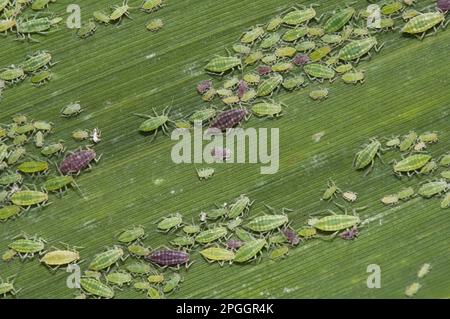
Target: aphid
(358,48)
(408,141)
(244,235)
(390,199)
(277,239)
(267,223)
(12,74)
(129,235)
(75,162)
(172,222)
(293,82)
(320,94)
(411,163)
(53,149)
(338,20)
(29,198)
(252,35)
(155,25)
(221,255)
(391,8)
(20,139)
(319,53)
(241,48)
(285,51)
(305,46)
(445,203)
(367,156)
(101,17)
(96,288)
(59,183)
(252,78)
(15,155)
(279,252)
(222,64)
(155,279)
(443,5)
(57,258)
(172,283)
(234,223)
(430,189)
(424,270)
(335,222)
(9,211)
(410,13)
(422,23)
(231,100)
(210,235)
(291,236)
(106,259)
(269,85)
(167,257)
(300,59)
(234,244)
(386,24)
(138,250)
(429,167)
(349,196)
(331,190)
(43,126)
(217,213)
(360,32)
(141,285)
(139,268)
(205,173)
(292,35)
(183,241)
(429,137)
(231,83)
(406,193)
(203,115)
(40,4)
(87,29)
(249,250)
(266,108)
(274,24)
(393,142)
(228,119)
(156,122)
(24,28)
(344,68)
(191,229)
(248,96)
(412,289)
(9,255)
(120,11)
(315,32)
(181,124)
(41,78)
(33,167)
(353,77)
(331,39)
(253,57)
(445,160)
(71,110)
(319,72)
(307,232)
(282,67)
(239,207)
(119,278)
(270,41)
(3,4)
(36,61)
(151,5)
(446,174)
(11,179)
(153,293)
(297,17)
(26,246)
(92,274)
(7,287)
(350,234)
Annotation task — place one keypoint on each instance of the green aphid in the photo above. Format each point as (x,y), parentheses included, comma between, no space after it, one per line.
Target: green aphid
(446,174)
(4,151)
(307,232)
(224,92)
(183,241)
(231,83)
(391,8)
(152,5)
(205,173)
(101,17)
(305,46)
(11,179)
(154,123)
(119,278)
(409,14)
(252,78)
(221,255)
(279,252)
(390,199)
(16,154)
(358,48)
(87,29)
(387,24)
(28,246)
(120,11)
(241,48)
(92,274)
(248,96)
(3,166)
(297,16)
(406,193)
(12,74)
(7,287)
(217,213)
(344,68)
(155,25)
(411,164)
(132,234)
(156,278)
(106,259)
(314,32)
(269,59)
(59,183)
(445,203)
(346,33)
(3,4)
(285,52)
(336,222)
(43,126)
(191,229)
(20,139)
(172,222)
(239,207)
(33,167)
(153,293)
(7,24)
(172,283)
(253,57)
(234,223)
(319,71)
(210,235)
(429,137)
(266,108)
(36,25)
(244,235)
(249,250)
(360,32)
(141,285)
(96,288)
(412,289)
(252,35)
(36,61)
(338,20)
(9,255)
(38,5)
(331,190)
(269,85)
(71,110)
(182,124)
(53,149)
(331,39)
(333,60)
(319,53)
(292,35)
(29,198)
(367,156)
(319,94)
(277,239)
(57,258)
(424,22)
(25,129)
(270,41)
(353,77)
(408,141)
(429,167)
(274,24)
(430,189)
(282,67)
(9,211)
(393,142)
(138,250)
(293,82)
(203,115)
(3,196)
(267,223)
(445,160)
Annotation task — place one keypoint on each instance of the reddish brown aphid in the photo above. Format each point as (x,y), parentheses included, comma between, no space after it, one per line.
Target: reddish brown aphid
(77,161)
(228,119)
(291,236)
(204,86)
(264,70)
(234,244)
(300,59)
(167,257)
(242,88)
(349,234)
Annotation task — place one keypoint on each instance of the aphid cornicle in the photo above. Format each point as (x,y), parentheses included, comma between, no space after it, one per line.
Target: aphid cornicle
(76,162)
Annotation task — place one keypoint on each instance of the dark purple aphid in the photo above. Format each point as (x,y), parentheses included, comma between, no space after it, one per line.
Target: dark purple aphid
(443,5)
(204,86)
(264,70)
(349,234)
(166,257)
(228,119)
(291,236)
(234,244)
(300,59)
(75,162)
(242,88)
